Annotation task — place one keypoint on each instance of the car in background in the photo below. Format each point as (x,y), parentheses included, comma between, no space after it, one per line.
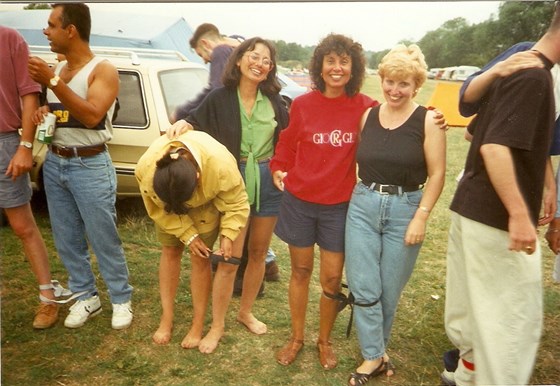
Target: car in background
(435,73)
(290,89)
(463,72)
(152,84)
(448,72)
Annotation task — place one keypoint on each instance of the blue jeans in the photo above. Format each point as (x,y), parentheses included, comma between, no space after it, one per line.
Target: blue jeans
(378,263)
(81,194)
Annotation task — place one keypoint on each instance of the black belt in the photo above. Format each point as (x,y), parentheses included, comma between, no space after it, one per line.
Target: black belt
(392,189)
(344,300)
(77,151)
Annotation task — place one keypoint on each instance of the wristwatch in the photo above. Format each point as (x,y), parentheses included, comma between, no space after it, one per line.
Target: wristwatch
(26,144)
(54,81)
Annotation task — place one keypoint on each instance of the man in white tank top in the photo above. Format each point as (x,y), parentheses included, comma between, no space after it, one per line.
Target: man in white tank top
(79,177)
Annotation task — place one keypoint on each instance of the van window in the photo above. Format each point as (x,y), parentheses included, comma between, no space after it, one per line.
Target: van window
(132,112)
(181,85)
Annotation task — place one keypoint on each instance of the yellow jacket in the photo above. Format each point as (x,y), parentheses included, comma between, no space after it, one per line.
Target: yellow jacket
(220,198)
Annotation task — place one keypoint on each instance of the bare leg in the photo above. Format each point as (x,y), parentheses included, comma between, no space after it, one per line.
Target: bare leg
(221,297)
(24,226)
(169,273)
(201,284)
(330,277)
(260,234)
(298,294)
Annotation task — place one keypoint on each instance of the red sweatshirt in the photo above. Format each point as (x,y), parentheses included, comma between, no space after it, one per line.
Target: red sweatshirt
(318,147)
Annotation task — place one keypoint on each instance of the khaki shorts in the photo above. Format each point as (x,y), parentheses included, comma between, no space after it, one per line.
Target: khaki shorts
(168,240)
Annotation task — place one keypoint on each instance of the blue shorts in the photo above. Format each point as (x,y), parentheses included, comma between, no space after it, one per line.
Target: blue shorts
(12,193)
(303,224)
(270,195)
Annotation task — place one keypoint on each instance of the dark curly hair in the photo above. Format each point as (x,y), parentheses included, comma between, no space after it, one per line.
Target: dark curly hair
(232,75)
(339,44)
(175,181)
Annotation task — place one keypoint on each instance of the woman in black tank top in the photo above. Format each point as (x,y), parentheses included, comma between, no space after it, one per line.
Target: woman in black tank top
(400,150)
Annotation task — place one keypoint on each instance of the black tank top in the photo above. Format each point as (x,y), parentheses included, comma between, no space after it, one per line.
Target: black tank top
(394,157)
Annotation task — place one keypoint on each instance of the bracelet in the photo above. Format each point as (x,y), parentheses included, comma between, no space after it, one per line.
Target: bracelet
(424,209)
(189,241)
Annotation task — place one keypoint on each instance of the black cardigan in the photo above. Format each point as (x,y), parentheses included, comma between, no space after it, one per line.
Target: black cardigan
(219,116)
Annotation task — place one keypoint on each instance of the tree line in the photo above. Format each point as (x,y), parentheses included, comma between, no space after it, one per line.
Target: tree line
(457,42)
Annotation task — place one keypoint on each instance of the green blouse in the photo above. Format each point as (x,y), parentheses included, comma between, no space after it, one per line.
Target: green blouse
(257,135)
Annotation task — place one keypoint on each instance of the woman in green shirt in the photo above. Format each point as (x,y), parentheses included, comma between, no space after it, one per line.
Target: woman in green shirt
(246,115)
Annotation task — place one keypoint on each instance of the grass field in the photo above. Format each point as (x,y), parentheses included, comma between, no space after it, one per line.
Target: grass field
(97,355)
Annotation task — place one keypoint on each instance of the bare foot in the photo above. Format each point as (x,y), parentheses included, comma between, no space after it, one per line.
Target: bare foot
(162,335)
(192,339)
(367,367)
(209,343)
(253,324)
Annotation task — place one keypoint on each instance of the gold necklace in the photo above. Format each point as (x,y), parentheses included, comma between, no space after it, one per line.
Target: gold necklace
(78,67)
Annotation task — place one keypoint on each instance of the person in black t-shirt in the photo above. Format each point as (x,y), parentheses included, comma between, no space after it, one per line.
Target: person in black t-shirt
(493,311)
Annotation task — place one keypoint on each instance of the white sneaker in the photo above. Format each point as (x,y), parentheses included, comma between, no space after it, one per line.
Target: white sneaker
(447,378)
(122,316)
(81,311)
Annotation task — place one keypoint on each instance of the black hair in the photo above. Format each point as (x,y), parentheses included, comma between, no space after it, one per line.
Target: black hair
(175,181)
(78,15)
(339,44)
(232,75)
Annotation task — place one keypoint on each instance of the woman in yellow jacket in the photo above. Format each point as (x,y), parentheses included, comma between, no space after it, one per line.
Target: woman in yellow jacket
(193,190)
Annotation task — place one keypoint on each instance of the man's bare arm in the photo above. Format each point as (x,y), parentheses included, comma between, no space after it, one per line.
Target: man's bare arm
(501,170)
(480,84)
(102,92)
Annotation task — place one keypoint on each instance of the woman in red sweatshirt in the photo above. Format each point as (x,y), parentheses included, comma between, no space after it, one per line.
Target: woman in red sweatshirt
(314,164)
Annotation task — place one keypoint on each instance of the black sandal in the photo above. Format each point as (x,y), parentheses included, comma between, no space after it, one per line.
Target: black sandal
(363,378)
(389,366)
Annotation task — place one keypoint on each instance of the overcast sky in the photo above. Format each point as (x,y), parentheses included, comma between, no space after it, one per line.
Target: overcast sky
(377,25)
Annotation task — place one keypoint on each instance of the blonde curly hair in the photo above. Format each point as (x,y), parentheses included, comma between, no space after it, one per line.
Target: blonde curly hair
(403,61)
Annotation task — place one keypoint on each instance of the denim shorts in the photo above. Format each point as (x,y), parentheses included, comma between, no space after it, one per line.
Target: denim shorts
(270,196)
(12,193)
(303,224)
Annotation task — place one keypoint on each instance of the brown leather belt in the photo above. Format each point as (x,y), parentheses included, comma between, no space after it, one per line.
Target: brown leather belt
(78,151)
